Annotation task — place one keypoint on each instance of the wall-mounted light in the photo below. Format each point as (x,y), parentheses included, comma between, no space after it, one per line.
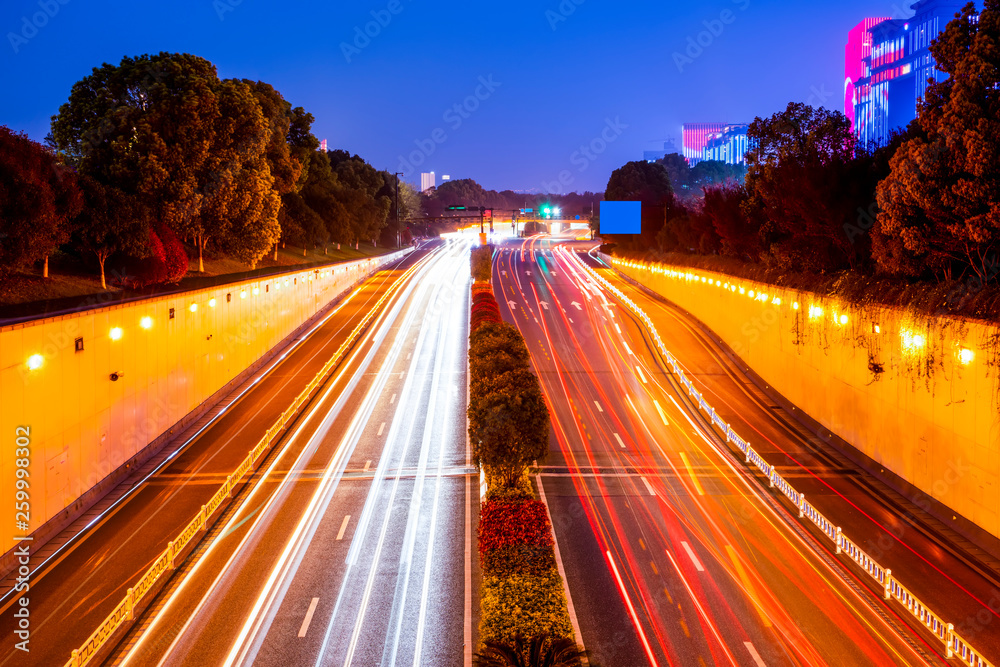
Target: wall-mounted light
(35,362)
(194,308)
(116,375)
(211,303)
(843,320)
(243,294)
(256,291)
(115,333)
(146,322)
(965,355)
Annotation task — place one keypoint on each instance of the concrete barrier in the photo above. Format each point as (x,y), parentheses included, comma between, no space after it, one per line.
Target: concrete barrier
(95,388)
(917,394)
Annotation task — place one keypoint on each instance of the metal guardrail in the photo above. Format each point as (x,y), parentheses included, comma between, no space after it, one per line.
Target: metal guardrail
(955,645)
(164,563)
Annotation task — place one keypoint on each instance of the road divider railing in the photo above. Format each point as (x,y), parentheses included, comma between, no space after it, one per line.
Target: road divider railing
(164,563)
(955,645)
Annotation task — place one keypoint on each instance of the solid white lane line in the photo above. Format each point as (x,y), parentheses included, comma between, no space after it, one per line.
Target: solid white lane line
(754,654)
(663,415)
(649,487)
(381,428)
(343,527)
(694,559)
(619,439)
(309,617)
(599,409)
(392,400)
(467,633)
(641,375)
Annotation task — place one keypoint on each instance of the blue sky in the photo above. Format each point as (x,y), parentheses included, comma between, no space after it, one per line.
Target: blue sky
(558,74)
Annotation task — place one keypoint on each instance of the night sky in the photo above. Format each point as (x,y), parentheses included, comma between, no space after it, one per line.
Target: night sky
(555,79)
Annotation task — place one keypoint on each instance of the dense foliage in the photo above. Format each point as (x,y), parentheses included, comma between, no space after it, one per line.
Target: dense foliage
(924,206)
(158,149)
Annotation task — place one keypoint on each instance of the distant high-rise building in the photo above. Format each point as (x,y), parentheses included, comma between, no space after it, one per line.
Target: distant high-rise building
(729,146)
(322,145)
(896,67)
(446,177)
(696,135)
(668,147)
(427,181)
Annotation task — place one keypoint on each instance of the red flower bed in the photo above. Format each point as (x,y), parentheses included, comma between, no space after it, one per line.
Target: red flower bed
(511,523)
(484,311)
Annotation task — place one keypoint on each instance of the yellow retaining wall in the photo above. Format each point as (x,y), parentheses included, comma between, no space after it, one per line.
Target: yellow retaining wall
(83,425)
(930,417)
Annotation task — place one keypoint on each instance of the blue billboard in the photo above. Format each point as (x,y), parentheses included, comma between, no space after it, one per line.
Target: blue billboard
(621,217)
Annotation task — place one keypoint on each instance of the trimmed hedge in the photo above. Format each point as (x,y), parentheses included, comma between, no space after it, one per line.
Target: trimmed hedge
(523,604)
(519,559)
(513,523)
(482,263)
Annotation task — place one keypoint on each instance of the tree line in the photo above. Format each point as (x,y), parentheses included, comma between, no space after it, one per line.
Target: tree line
(158,149)
(925,205)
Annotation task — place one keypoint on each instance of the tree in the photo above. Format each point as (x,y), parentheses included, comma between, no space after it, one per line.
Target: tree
(806,176)
(38,199)
(678,171)
(739,234)
(357,191)
(111,221)
(940,204)
(509,424)
(165,127)
(649,183)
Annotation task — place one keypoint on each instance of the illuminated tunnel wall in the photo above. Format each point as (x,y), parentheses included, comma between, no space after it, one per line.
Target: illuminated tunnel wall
(84,426)
(916,394)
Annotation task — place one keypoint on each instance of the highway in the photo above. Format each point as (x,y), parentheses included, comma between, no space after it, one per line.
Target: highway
(354,441)
(352,547)
(674,553)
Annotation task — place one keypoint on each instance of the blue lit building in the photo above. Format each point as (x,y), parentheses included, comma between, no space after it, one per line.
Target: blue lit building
(729,146)
(895,69)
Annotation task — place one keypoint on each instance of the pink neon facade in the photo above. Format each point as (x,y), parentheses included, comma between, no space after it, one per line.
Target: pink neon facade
(696,136)
(856,54)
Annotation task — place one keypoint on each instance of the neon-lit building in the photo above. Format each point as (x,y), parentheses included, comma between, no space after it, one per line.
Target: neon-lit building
(858,50)
(896,66)
(729,146)
(696,136)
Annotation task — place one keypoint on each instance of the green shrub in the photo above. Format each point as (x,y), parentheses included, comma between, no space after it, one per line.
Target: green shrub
(482,264)
(496,490)
(536,561)
(523,604)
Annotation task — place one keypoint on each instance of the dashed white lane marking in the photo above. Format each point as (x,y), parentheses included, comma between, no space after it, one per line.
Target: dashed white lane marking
(649,487)
(381,428)
(309,617)
(628,349)
(392,400)
(618,327)
(599,408)
(694,559)
(663,415)
(368,464)
(343,527)
(754,654)
(641,374)
(619,439)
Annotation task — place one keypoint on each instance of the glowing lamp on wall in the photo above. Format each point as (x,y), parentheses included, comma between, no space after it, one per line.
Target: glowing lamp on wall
(146,322)
(965,355)
(35,362)
(115,333)
(256,291)
(843,320)
(194,308)
(211,303)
